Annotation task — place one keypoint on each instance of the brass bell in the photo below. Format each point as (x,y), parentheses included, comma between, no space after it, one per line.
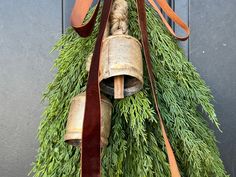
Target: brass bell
(121,66)
(74,125)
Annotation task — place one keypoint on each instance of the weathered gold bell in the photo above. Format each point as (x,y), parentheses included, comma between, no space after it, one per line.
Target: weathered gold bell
(121,67)
(74,125)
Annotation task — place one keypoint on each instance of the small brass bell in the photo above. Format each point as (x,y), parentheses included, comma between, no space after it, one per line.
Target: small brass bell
(74,125)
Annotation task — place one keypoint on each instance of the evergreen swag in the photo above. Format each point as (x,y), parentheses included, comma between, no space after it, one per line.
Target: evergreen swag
(136,148)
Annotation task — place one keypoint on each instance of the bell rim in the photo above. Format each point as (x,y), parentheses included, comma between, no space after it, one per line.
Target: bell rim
(73,135)
(110,91)
(121,72)
(82,96)
(127,91)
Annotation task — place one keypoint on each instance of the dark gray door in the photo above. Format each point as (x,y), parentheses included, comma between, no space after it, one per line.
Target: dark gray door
(30,28)
(212,50)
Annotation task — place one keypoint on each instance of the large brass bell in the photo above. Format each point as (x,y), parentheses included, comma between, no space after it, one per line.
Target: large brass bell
(121,67)
(74,125)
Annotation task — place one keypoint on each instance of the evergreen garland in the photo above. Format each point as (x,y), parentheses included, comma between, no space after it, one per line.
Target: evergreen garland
(136,147)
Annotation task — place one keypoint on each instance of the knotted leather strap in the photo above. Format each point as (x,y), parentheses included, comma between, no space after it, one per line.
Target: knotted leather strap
(143,26)
(91,158)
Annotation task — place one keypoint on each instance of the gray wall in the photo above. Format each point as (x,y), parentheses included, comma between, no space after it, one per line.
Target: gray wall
(28,30)
(31,27)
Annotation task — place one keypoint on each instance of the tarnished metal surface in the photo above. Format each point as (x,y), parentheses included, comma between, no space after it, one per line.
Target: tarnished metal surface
(121,55)
(74,126)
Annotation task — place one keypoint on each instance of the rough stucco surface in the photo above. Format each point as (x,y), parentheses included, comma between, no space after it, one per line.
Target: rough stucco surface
(28,30)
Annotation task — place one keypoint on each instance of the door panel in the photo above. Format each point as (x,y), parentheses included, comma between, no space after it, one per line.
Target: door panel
(213,52)
(182,8)
(28,30)
(67,8)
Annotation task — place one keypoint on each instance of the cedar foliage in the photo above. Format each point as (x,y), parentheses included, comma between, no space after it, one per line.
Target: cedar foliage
(136,147)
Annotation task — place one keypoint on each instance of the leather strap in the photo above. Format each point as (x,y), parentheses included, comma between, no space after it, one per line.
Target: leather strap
(91,155)
(82,7)
(92,117)
(143,26)
(79,12)
(173,16)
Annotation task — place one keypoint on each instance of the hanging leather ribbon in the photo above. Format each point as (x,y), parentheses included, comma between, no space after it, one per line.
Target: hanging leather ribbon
(79,12)
(143,26)
(173,16)
(92,118)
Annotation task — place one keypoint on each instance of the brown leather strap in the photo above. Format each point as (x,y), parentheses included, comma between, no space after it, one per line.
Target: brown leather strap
(173,16)
(92,118)
(79,12)
(143,26)
(91,160)
(81,9)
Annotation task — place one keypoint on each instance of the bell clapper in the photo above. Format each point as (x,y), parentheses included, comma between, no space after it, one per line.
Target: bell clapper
(119,87)
(119,26)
